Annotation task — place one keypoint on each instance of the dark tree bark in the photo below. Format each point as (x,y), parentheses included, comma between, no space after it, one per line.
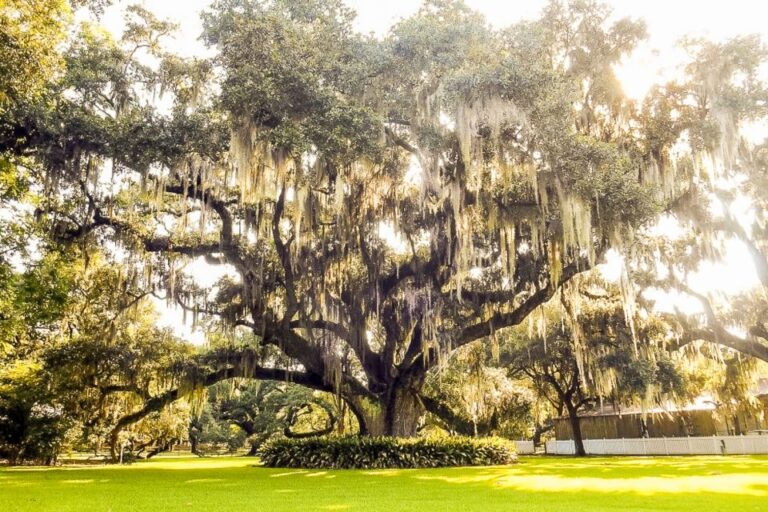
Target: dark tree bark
(540,430)
(295,412)
(575,422)
(398,413)
(162,446)
(193,435)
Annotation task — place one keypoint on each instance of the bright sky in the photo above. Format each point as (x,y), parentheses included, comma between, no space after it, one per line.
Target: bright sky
(655,61)
(668,21)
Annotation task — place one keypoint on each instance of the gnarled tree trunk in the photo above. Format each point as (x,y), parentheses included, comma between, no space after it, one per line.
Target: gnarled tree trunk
(403,412)
(397,413)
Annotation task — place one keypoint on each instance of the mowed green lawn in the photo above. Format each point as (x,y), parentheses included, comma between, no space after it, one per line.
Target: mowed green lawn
(695,484)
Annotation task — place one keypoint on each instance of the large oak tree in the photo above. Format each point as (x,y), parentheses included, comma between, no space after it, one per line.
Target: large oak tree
(378,202)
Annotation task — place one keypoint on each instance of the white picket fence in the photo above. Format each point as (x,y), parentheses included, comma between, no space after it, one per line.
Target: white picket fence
(525,447)
(716,445)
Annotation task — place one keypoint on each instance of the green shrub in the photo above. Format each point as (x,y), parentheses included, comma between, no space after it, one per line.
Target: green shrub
(386,452)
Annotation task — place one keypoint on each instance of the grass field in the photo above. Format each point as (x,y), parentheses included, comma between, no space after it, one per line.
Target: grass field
(705,484)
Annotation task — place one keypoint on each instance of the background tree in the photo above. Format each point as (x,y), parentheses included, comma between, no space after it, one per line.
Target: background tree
(261,410)
(32,303)
(30,34)
(80,351)
(473,395)
(721,208)
(578,359)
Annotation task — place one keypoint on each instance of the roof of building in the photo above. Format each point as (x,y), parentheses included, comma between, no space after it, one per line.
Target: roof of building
(702,403)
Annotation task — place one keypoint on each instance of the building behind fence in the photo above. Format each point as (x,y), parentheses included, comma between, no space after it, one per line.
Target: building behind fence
(696,429)
(698,419)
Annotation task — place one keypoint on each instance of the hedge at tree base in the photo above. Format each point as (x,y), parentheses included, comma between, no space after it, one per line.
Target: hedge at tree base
(386,452)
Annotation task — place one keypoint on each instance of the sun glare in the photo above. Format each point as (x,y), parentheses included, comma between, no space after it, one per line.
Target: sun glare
(172,317)
(414,173)
(736,275)
(392,238)
(613,267)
